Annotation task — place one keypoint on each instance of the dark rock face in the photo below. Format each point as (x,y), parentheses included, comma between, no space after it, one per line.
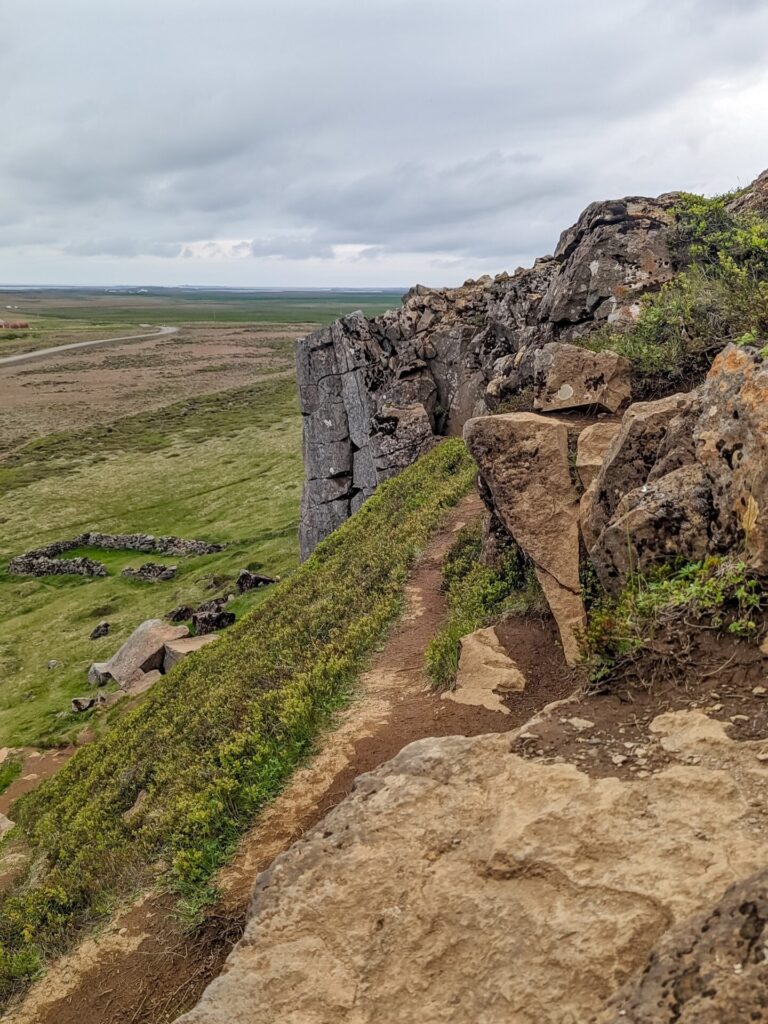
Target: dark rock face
(686,476)
(710,969)
(376,393)
(248,580)
(212,620)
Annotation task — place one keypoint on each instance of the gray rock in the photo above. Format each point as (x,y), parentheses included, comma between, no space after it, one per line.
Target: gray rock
(101,630)
(143,651)
(151,572)
(211,621)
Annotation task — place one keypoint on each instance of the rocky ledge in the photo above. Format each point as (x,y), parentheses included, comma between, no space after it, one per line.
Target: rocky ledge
(376,392)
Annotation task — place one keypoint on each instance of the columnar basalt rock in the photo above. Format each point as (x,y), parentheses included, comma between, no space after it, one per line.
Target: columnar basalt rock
(374,393)
(686,476)
(524,462)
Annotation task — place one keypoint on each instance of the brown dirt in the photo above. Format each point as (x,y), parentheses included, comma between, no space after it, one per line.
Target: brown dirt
(73,390)
(608,734)
(145,968)
(36,765)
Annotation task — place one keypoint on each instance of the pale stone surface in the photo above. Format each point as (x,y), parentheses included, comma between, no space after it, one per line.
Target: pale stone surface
(570,377)
(592,445)
(523,460)
(486,672)
(142,651)
(463,883)
(5,825)
(176,650)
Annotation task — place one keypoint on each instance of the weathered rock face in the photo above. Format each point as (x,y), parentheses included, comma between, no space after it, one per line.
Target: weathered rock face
(710,969)
(486,672)
(463,882)
(142,652)
(569,377)
(686,476)
(375,392)
(523,460)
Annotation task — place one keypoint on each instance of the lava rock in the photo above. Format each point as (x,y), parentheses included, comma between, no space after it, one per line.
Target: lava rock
(151,572)
(248,580)
(101,630)
(211,620)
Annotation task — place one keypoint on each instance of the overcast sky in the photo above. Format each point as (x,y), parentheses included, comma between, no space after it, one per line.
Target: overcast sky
(355,142)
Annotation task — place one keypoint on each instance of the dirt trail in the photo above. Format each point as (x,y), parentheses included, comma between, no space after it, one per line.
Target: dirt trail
(144,968)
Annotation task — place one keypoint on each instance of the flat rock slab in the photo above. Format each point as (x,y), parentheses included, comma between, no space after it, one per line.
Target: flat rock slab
(570,377)
(486,672)
(143,651)
(176,650)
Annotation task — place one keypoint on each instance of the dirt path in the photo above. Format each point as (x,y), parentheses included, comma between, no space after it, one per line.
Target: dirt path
(144,968)
(23,357)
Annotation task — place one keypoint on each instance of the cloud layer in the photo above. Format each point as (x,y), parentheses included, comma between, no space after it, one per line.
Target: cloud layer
(246,143)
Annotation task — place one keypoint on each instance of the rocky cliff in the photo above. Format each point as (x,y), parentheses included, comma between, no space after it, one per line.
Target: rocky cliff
(375,393)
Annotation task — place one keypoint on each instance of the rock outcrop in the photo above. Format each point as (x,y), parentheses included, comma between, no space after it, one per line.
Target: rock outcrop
(464,882)
(569,377)
(686,476)
(374,393)
(523,459)
(710,969)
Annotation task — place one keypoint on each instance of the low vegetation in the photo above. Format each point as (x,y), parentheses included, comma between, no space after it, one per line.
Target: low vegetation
(654,612)
(10,770)
(172,786)
(477,595)
(719,295)
(225,468)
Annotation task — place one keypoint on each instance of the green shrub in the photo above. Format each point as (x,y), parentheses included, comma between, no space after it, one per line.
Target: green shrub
(719,295)
(177,781)
(717,593)
(9,770)
(477,594)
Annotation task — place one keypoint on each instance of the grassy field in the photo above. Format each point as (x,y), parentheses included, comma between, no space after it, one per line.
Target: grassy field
(216,737)
(225,468)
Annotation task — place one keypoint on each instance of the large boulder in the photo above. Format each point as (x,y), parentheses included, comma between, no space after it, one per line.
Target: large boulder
(143,651)
(177,650)
(570,377)
(523,459)
(486,673)
(710,969)
(686,476)
(462,882)
(731,444)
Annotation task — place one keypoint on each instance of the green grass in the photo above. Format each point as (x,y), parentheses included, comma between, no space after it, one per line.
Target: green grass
(217,737)
(718,594)
(10,770)
(225,467)
(187,305)
(720,294)
(477,596)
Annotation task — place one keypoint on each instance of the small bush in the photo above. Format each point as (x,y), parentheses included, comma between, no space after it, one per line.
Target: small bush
(9,770)
(477,594)
(718,593)
(719,295)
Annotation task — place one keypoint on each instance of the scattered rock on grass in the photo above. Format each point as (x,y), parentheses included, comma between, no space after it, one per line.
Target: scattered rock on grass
(143,651)
(211,621)
(151,572)
(101,630)
(248,580)
(180,614)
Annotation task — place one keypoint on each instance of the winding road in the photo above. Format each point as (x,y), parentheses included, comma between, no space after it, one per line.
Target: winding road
(22,357)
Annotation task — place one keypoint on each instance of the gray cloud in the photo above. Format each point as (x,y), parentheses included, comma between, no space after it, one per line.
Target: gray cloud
(319,143)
